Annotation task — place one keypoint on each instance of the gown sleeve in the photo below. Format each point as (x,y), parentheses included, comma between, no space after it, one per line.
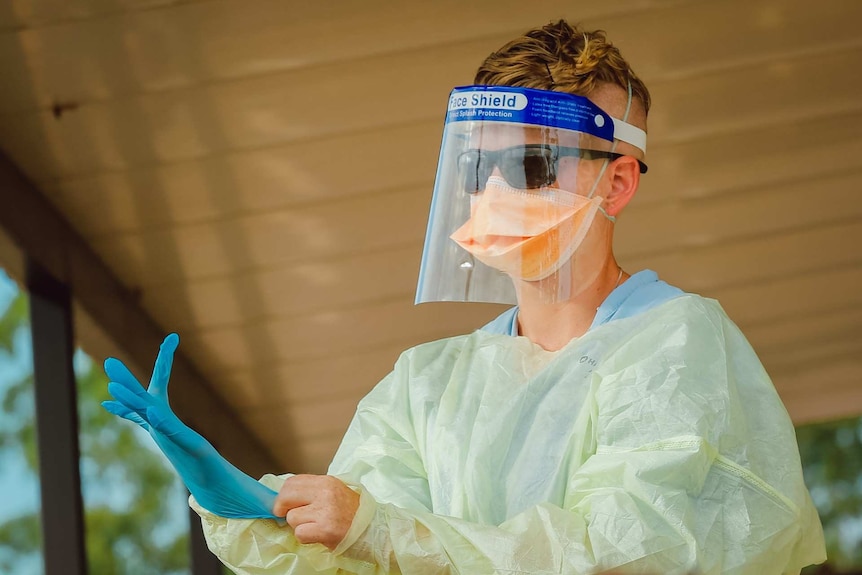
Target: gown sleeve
(692,466)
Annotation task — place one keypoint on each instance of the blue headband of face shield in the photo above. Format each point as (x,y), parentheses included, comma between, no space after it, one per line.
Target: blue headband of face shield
(540,108)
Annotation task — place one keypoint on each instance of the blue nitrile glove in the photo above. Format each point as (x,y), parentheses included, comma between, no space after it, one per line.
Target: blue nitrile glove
(217,485)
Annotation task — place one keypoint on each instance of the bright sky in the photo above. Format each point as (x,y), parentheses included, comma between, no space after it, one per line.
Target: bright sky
(20,490)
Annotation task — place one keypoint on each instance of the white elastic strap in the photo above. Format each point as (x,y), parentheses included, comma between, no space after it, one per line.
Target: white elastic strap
(614,146)
(633,135)
(625,132)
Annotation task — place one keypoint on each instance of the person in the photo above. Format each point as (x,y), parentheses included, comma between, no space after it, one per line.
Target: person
(608,421)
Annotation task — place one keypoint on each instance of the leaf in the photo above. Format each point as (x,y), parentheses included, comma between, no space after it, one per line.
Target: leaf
(21,534)
(831,454)
(16,317)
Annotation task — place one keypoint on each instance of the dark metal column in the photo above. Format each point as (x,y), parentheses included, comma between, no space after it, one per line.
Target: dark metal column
(56,424)
(203,561)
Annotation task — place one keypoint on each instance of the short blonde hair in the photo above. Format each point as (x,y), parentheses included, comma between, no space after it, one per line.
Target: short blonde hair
(564,58)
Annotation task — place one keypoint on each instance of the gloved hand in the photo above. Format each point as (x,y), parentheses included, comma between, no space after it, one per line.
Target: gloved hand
(217,485)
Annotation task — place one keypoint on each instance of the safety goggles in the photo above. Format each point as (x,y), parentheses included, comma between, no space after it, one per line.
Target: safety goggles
(526,167)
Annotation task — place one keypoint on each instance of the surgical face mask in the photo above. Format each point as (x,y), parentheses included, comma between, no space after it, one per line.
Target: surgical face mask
(527,234)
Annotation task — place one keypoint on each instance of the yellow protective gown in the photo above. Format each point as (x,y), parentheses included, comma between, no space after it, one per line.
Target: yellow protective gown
(652,444)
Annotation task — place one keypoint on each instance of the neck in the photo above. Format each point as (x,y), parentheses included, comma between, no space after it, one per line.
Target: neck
(553,325)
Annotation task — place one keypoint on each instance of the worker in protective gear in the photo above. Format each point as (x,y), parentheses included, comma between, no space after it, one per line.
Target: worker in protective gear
(608,421)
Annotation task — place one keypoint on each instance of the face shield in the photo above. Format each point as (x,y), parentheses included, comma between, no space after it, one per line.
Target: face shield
(514,197)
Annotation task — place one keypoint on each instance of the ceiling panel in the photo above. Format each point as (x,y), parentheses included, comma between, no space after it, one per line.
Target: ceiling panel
(24,14)
(258,173)
(275,108)
(309,380)
(111,48)
(122,48)
(754,156)
(780,298)
(289,290)
(839,393)
(254,181)
(338,332)
(652,229)
(766,92)
(260,181)
(306,234)
(698,37)
(755,258)
(798,330)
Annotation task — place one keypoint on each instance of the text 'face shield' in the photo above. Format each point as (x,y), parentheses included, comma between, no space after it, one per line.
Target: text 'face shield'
(512,197)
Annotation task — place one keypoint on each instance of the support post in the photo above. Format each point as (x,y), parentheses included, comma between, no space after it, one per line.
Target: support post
(203,560)
(56,423)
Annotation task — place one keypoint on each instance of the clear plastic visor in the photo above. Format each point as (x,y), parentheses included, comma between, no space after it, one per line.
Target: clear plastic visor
(511,203)
(516,195)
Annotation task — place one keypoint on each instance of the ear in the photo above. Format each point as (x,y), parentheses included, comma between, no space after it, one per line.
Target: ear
(625,176)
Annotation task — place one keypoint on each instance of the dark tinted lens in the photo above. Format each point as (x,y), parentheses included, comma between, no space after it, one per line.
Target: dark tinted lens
(474,168)
(524,167)
(529,167)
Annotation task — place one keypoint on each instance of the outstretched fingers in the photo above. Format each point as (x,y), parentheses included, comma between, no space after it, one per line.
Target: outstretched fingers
(117,371)
(162,368)
(120,410)
(135,400)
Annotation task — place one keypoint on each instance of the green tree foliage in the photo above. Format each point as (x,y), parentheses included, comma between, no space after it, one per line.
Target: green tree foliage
(126,483)
(832,462)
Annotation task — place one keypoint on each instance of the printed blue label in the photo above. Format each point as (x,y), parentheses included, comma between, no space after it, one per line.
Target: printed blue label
(528,106)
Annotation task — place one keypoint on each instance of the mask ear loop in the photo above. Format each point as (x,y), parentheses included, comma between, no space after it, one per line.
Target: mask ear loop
(607,160)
